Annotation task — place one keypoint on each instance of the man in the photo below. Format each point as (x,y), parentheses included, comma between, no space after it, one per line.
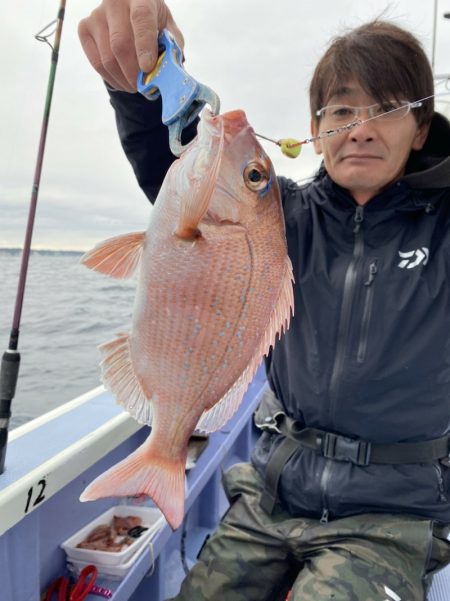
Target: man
(347,496)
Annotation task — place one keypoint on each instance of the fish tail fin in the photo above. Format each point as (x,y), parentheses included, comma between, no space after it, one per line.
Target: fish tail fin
(119,376)
(160,478)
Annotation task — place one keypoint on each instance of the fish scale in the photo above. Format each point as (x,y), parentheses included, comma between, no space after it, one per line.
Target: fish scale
(181,296)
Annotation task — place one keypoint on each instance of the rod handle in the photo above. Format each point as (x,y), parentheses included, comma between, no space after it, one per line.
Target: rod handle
(9,373)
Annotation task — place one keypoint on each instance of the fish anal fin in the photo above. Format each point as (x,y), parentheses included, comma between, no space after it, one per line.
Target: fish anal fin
(144,473)
(117,257)
(213,419)
(119,376)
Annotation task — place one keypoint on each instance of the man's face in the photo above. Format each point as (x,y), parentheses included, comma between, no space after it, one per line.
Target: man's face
(369,157)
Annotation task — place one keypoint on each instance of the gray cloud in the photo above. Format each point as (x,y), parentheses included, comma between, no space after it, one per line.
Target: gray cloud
(257,55)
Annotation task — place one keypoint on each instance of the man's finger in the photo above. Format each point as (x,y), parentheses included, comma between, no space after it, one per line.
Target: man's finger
(96,44)
(90,49)
(121,42)
(144,22)
(173,28)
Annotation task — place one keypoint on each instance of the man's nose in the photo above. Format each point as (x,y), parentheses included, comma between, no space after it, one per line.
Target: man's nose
(365,131)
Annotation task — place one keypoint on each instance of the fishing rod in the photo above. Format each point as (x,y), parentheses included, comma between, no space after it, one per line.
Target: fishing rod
(10,364)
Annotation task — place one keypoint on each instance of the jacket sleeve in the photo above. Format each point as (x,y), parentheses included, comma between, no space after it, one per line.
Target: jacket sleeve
(145,139)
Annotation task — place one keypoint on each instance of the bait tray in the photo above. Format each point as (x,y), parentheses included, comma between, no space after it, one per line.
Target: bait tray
(152,518)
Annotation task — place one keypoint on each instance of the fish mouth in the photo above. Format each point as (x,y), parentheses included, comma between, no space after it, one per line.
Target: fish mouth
(234,122)
(230,124)
(235,116)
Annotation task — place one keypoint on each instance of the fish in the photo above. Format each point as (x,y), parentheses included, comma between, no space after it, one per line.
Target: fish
(214,292)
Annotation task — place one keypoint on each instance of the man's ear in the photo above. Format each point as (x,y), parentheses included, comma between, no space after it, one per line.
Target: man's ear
(421,136)
(314,132)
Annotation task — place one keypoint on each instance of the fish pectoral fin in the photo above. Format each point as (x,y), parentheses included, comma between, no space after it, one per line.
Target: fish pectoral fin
(196,204)
(117,257)
(145,473)
(119,376)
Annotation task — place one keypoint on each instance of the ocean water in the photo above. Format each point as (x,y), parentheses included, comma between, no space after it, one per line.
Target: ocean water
(68,311)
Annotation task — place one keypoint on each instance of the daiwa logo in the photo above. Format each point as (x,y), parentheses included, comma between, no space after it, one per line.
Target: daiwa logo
(413,258)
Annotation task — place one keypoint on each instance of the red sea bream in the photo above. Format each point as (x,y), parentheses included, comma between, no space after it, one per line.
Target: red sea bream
(214,290)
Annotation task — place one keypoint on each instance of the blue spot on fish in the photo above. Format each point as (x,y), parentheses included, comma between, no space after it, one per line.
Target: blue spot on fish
(267,189)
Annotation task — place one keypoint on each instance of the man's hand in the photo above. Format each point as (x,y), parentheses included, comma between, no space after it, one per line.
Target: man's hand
(121,36)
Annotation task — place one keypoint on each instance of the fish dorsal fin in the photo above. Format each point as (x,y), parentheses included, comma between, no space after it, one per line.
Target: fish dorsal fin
(282,311)
(196,203)
(117,257)
(118,376)
(216,417)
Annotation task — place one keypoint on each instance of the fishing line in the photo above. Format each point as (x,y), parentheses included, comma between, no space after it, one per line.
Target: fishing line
(291,147)
(11,357)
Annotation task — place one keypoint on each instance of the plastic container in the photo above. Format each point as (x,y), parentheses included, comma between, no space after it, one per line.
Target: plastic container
(108,571)
(152,518)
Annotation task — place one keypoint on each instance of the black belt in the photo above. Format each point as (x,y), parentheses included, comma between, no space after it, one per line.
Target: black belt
(340,448)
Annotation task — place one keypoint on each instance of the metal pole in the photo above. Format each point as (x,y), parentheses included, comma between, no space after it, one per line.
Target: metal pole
(433,52)
(10,364)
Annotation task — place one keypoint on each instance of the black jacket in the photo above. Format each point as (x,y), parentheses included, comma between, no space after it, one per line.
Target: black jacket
(367,354)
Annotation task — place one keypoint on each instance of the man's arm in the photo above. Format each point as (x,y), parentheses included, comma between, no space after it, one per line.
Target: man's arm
(145,139)
(119,38)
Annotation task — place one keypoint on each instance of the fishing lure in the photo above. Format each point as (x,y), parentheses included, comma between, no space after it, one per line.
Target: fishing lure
(292,147)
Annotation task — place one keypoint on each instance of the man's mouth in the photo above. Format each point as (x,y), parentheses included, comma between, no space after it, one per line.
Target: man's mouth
(355,156)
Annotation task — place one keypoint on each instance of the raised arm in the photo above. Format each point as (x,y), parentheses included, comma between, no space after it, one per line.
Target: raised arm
(120,38)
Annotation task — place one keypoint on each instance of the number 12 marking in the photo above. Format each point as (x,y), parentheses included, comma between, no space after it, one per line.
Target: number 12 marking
(40,497)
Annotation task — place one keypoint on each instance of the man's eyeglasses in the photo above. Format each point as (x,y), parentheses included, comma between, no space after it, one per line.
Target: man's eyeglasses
(391,110)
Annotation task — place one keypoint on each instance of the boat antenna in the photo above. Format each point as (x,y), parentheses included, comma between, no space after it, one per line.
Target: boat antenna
(9,370)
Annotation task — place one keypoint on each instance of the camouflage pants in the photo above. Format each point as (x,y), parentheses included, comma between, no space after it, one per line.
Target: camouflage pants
(256,557)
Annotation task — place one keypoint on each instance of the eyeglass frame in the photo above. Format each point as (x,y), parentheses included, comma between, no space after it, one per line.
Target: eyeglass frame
(357,109)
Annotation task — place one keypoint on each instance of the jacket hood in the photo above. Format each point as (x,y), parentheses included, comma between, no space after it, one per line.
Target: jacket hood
(430,167)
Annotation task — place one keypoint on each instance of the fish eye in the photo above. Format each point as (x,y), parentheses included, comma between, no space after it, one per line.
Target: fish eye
(255,177)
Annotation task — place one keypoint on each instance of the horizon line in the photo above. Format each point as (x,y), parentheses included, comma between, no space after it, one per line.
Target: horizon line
(45,249)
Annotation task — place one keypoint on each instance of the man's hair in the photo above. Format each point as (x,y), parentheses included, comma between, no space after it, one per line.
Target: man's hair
(386,60)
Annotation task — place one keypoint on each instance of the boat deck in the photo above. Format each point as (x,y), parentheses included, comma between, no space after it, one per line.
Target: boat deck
(50,461)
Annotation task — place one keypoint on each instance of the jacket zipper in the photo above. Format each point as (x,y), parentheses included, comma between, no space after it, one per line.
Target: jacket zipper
(442,495)
(326,474)
(342,341)
(346,310)
(367,312)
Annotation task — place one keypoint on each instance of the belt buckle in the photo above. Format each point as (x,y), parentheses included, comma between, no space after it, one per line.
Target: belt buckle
(342,448)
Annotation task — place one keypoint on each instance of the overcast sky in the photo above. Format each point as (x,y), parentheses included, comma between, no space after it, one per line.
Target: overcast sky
(257,54)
